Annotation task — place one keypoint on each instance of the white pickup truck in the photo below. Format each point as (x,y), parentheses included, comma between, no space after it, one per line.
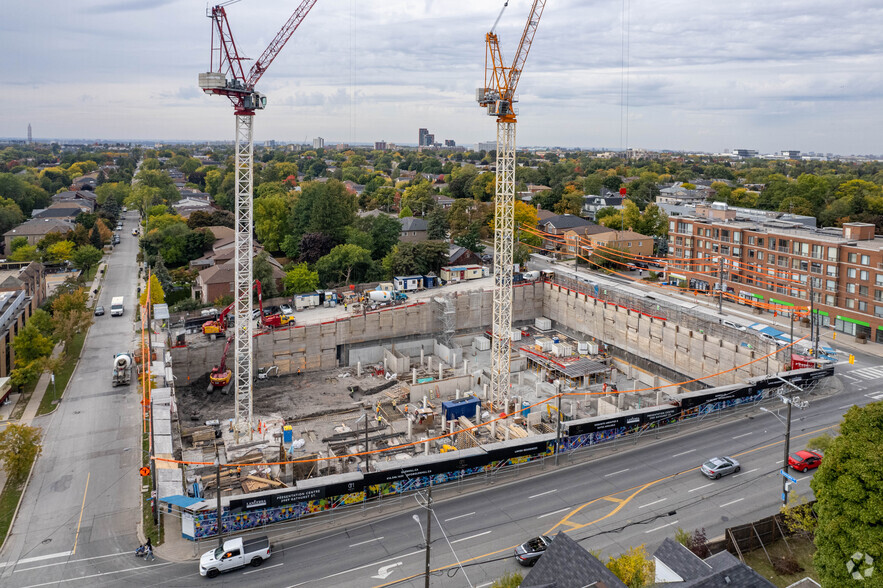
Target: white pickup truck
(236,553)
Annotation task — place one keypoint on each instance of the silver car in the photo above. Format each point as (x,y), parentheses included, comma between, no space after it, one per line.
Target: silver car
(716,467)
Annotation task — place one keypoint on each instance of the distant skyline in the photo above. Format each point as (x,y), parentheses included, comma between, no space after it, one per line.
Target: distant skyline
(701,76)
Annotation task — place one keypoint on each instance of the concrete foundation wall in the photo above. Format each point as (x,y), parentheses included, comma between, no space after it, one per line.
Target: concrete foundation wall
(441,389)
(688,352)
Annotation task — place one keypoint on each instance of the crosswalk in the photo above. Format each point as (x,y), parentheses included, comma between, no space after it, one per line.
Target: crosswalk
(868,373)
(875,396)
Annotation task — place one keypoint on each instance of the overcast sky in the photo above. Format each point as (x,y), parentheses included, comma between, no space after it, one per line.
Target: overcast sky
(702,75)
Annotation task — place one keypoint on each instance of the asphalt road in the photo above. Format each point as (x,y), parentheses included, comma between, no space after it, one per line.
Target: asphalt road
(82,500)
(619,498)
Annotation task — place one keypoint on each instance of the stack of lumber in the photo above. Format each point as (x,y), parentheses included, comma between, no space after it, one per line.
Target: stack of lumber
(258,483)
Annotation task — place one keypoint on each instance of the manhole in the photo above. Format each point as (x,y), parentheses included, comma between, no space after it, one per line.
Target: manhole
(77,412)
(47,541)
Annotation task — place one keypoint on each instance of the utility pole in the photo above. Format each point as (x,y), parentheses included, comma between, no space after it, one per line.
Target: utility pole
(558,426)
(220,510)
(428,531)
(787,451)
(720,292)
(812,320)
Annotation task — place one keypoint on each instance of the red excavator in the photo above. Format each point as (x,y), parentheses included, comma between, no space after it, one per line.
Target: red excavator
(274,320)
(221,376)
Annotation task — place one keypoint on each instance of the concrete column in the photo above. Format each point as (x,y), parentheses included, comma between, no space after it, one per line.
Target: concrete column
(440,370)
(477,414)
(451,427)
(484,394)
(385,368)
(465,367)
(410,431)
(359,369)
(507,433)
(457,394)
(658,397)
(413,376)
(429,363)
(424,401)
(421,356)
(426,448)
(493,428)
(620,399)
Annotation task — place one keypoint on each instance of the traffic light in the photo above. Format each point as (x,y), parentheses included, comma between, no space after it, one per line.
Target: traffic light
(851,359)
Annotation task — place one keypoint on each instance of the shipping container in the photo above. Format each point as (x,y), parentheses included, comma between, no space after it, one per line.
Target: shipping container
(454,409)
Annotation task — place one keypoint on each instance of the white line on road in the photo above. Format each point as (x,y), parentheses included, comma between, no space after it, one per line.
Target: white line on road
(614,473)
(262,569)
(548,514)
(485,585)
(70,561)
(699,488)
(78,578)
(468,514)
(651,503)
(470,537)
(683,453)
(743,473)
(733,502)
(543,493)
(662,527)
(743,435)
(845,406)
(38,558)
(368,541)
(370,565)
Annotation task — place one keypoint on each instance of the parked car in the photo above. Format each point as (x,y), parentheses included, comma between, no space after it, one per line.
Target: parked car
(268,310)
(716,467)
(255,313)
(528,553)
(286,309)
(99,311)
(804,460)
(641,265)
(236,553)
(733,325)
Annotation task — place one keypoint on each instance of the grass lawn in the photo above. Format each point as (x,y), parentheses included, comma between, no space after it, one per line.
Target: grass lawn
(150,529)
(20,406)
(53,393)
(8,502)
(802,549)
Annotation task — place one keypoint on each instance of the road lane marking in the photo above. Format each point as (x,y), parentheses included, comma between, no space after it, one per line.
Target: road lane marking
(262,569)
(614,473)
(61,563)
(662,527)
(683,453)
(733,502)
(743,473)
(845,406)
(652,503)
(37,558)
(82,508)
(468,514)
(470,537)
(368,541)
(740,436)
(548,514)
(543,493)
(700,487)
(98,575)
(613,499)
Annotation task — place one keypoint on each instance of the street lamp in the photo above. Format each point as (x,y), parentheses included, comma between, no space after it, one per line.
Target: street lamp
(419,524)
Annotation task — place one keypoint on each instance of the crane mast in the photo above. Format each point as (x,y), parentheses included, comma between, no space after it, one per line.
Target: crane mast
(227,77)
(498,97)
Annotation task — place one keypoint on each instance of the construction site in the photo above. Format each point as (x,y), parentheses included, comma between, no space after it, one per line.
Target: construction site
(386,381)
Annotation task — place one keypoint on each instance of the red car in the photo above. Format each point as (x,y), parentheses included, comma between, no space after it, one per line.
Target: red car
(804,460)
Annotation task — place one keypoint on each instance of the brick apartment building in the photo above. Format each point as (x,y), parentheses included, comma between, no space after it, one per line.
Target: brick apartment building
(842,266)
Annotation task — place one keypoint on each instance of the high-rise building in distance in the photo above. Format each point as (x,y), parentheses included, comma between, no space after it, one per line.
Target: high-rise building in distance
(318,143)
(422,137)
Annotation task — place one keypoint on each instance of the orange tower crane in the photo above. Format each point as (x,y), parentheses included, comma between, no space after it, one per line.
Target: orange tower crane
(227,77)
(498,97)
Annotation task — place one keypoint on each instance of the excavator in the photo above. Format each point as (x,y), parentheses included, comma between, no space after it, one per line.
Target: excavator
(219,325)
(274,320)
(221,376)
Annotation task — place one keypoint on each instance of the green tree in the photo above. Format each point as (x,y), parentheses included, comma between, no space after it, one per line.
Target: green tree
(345,264)
(162,274)
(10,214)
(85,257)
(437,224)
(384,230)
(263,271)
(420,258)
(271,220)
(418,198)
(301,279)
(849,495)
(18,242)
(30,344)
(405,212)
(25,253)
(19,447)
(117,191)
(509,580)
(634,567)
(61,251)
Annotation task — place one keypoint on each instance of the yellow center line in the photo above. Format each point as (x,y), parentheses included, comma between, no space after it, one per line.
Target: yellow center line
(612,499)
(82,508)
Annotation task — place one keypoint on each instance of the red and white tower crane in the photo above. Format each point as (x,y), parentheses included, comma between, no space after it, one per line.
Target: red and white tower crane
(227,77)
(498,96)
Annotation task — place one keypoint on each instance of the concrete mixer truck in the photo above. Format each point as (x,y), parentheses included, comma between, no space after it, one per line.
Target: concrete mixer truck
(122,369)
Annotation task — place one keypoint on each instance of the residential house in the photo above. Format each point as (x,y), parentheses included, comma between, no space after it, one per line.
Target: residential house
(414,229)
(29,276)
(461,256)
(35,229)
(580,237)
(566,564)
(558,225)
(628,241)
(678,567)
(593,203)
(16,307)
(66,211)
(87,182)
(84,197)
(444,202)
(216,281)
(193,202)
(678,194)
(222,248)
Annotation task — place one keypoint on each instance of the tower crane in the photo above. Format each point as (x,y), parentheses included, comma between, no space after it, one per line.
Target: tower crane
(227,77)
(498,96)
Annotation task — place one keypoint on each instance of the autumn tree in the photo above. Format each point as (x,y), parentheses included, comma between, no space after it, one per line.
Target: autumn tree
(19,447)
(70,314)
(157,295)
(31,349)
(634,567)
(61,251)
(418,198)
(849,495)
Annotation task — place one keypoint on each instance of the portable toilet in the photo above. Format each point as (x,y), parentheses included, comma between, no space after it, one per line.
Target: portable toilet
(287,434)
